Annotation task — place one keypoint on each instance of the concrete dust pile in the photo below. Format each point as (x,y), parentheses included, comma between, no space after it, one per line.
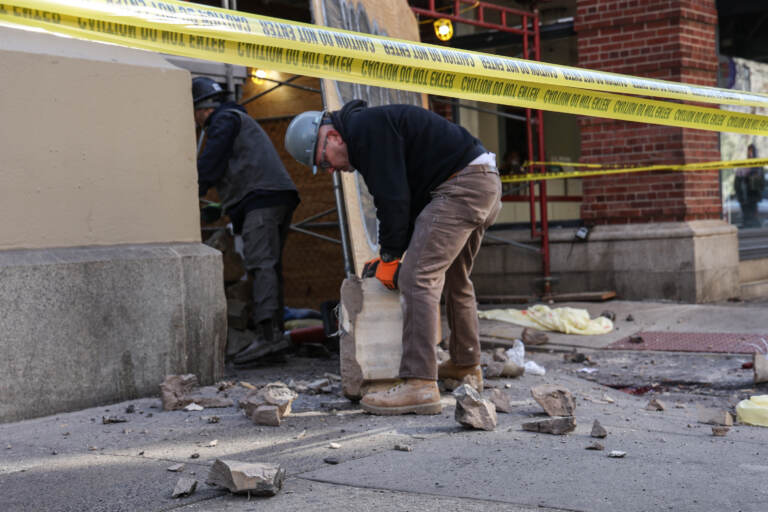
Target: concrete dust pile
(179,391)
(268,405)
(472,410)
(257,479)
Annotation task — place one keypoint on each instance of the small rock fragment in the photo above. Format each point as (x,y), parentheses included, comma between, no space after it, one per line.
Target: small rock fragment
(174,391)
(317,385)
(106,420)
(534,337)
(212,443)
(212,419)
(500,355)
(598,431)
(184,487)
(403,448)
(636,339)
(334,446)
(720,431)
(331,460)
(501,399)
(710,416)
(193,407)
(258,479)
(575,357)
(494,369)
(274,393)
(616,454)
(655,405)
(130,409)
(194,456)
(555,400)
(268,415)
(608,398)
(175,468)
(472,410)
(629,318)
(596,446)
(556,426)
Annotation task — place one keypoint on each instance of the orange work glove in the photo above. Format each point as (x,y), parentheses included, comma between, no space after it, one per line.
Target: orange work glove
(384,271)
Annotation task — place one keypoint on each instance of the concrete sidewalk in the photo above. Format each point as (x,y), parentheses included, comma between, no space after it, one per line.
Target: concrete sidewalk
(73,462)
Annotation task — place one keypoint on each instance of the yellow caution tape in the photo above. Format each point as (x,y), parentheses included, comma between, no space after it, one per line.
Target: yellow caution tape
(601,169)
(192,30)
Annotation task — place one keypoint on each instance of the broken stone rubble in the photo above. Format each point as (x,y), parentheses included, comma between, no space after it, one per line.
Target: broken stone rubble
(472,410)
(555,400)
(711,416)
(556,426)
(258,479)
(533,337)
(184,487)
(178,391)
(269,404)
(598,431)
(655,405)
(501,400)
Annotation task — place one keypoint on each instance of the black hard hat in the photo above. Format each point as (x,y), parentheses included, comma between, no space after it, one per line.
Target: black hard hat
(206,92)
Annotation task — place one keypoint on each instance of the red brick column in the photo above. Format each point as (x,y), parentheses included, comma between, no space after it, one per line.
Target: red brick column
(665,39)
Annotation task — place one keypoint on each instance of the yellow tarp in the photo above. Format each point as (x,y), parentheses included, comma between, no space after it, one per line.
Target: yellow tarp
(566,320)
(753,411)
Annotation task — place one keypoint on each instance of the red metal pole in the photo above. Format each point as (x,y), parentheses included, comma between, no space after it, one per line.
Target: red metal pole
(529,136)
(545,256)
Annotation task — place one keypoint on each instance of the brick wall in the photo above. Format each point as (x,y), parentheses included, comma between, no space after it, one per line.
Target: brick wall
(665,39)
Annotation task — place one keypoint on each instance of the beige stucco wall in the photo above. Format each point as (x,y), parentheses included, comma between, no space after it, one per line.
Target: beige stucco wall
(97,145)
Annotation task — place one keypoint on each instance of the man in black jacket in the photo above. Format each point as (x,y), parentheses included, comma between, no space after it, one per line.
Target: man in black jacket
(436,191)
(259,197)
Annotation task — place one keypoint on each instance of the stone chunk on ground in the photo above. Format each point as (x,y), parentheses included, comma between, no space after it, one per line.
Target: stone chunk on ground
(534,337)
(472,410)
(178,391)
(273,394)
(501,399)
(184,487)
(556,426)
(655,405)
(710,416)
(266,415)
(598,431)
(555,400)
(174,391)
(258,479)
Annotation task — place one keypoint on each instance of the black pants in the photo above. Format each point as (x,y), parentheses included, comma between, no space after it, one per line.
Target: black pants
(264,233)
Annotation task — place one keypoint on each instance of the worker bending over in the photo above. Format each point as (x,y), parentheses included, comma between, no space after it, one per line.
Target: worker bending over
(436,191)
(259,197)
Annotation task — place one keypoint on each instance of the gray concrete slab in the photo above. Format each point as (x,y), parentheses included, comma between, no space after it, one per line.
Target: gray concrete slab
(300,495)
(669,465)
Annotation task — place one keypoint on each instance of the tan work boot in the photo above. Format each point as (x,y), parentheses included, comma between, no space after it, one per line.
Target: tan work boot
(472,375)
(412,396)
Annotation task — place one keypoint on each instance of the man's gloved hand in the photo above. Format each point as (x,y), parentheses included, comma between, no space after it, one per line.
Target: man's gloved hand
(384,271)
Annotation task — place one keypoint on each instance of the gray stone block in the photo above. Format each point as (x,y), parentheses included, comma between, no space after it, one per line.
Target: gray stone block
(85,326)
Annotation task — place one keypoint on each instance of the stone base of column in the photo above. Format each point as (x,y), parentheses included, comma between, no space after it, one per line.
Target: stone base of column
(694,262)
(86,326)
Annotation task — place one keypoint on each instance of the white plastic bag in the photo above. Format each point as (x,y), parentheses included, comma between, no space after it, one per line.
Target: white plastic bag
(516,354)
(534,368)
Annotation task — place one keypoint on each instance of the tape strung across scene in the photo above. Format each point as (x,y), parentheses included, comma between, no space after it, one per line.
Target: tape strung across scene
(198,31)
(600,169)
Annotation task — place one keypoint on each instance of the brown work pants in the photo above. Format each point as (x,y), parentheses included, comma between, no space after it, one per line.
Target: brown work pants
(446,238)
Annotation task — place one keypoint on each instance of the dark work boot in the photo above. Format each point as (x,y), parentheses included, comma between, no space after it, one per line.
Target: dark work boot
(267,342)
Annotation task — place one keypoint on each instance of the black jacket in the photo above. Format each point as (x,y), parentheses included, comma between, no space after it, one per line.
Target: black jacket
(403,153)
(240,160)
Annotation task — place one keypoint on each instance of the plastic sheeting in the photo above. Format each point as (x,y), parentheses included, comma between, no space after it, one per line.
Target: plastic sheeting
(565,320)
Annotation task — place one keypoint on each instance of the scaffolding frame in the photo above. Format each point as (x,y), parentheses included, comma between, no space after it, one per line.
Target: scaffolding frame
(497,17)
